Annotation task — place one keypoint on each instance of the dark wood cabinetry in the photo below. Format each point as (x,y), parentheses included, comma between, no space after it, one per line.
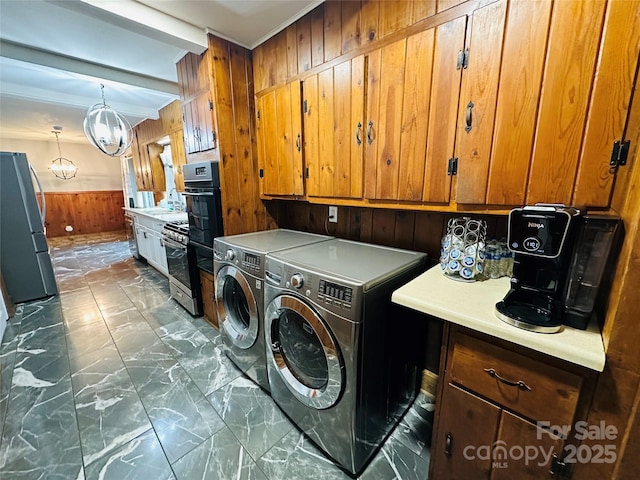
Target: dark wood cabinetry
(496,404)
(207,287)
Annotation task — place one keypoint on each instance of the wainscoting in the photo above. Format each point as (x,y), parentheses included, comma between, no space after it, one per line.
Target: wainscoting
(419,231)
(86,212)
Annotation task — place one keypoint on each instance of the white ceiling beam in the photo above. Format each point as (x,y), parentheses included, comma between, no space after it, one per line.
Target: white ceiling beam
(65,99)
(144,20)
(70,64)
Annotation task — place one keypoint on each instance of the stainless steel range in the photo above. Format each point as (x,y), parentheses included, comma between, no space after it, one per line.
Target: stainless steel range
(184,283)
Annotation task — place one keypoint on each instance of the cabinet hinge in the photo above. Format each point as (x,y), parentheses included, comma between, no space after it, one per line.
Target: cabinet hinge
(261,173)
(258,114)
(463,59)
(306,172)
(558,467)
(452,168)
(305,107)
(210,104)
(619,153)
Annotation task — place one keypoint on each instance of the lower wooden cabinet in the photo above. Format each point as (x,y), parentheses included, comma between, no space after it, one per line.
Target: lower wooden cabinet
(207,286)
(493,405)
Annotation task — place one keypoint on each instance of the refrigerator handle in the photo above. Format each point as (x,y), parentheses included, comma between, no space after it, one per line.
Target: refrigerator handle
(43,210)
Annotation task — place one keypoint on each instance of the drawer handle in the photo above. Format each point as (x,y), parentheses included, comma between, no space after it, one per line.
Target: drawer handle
(520,384)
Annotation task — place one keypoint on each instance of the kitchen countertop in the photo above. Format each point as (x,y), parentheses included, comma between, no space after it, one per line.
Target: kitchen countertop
(159,213)
(472,305)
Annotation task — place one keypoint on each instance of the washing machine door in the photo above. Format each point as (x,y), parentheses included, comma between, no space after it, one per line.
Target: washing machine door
(237,307)
(304,352)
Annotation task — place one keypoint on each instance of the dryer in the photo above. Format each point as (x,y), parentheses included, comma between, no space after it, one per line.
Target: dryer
(343,361)
(239,293)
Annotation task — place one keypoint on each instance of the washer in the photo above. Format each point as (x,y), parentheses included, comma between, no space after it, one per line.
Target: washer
(343,361)
(239,293)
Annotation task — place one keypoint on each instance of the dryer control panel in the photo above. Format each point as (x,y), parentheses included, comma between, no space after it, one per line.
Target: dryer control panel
(330,292)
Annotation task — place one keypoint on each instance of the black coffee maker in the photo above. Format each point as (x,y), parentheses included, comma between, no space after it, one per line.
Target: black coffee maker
(560,258)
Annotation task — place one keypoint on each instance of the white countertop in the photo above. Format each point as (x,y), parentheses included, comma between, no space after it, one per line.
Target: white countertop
(159,213)
(472,305)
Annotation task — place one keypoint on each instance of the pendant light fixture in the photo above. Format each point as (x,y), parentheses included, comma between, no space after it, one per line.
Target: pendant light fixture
(106,129)
(62,167)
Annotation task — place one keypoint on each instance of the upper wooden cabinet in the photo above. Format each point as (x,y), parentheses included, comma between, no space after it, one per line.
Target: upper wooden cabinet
(199,119)
(498,103)
(279,131)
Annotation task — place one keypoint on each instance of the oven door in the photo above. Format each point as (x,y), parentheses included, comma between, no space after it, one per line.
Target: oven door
(178,262)
(204,257)
(303,352)
(205,214)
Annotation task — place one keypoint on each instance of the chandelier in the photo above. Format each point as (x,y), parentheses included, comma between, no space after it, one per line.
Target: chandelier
(62,167)
(106,129)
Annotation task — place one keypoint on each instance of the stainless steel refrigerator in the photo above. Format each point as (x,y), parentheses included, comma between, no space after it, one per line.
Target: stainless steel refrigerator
(24,253)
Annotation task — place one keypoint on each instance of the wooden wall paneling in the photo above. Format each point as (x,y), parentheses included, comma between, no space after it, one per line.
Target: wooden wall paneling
(252,209)
(332,29)
(520,79)
(318,218)
(384,224)
(311,120)
(351,29)
(292,51)
(610,102)
(281,63)
(480,86)
(366,225)
(428,231)
(404,229)
(567,81)
(415,115)
(303,34)
(259,76)
(355,223)
(422,9)
(369,20)
(389,118)
(394,15)
(317,35)
(285,145)
(269,59)
(326,133)
(86,212)
(443,112)
(229,177)
(374,61)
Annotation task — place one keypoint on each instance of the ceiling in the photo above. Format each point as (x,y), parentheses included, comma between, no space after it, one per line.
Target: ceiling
(55,54)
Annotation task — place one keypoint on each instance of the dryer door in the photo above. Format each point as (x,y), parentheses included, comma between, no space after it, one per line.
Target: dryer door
(237,307)
(304,352)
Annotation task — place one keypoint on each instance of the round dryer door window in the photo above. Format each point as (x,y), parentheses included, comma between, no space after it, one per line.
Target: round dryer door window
(304,352)
(237,308)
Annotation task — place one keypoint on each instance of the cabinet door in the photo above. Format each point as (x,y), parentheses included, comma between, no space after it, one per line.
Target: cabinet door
(334,130)
(516,435)
(144,242)
(478,102)
(280,141)
(467,427)
(208,298)
(178,158)
(412,104)
(199,124)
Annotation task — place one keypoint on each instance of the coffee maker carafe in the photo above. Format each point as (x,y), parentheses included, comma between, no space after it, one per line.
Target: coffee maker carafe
(541,237)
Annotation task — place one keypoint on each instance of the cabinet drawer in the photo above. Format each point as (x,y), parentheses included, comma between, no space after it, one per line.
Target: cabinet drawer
(546,392)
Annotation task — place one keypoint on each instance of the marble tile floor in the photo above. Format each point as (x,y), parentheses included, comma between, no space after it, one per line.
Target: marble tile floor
(114,380)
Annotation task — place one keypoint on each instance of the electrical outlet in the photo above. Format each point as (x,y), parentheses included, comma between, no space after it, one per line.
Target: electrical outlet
(333,214)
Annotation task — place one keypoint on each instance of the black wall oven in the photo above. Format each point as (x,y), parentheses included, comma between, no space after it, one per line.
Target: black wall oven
(204,208)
